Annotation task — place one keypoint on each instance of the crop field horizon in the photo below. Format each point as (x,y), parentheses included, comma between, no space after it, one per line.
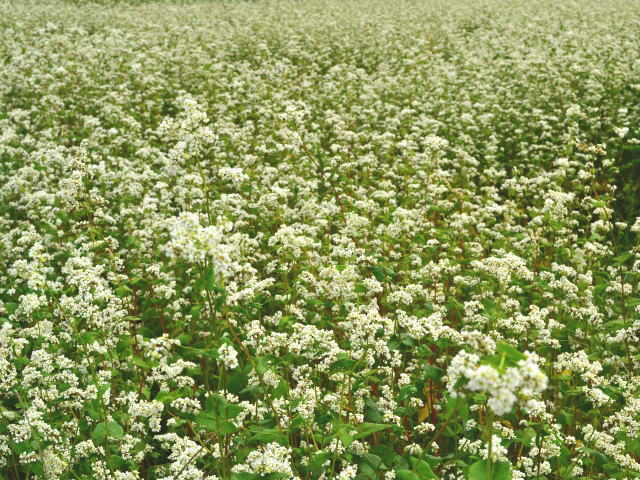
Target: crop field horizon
(320,240)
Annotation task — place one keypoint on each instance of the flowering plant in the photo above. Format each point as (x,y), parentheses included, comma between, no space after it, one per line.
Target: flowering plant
(319,240)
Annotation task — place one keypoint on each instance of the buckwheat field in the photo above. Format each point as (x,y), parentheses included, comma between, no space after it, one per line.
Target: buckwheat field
(320,240)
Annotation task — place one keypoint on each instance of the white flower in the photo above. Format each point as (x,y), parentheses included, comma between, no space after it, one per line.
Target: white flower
(524,381)
(228,356)
(621,131)
(269,458)
(196,243)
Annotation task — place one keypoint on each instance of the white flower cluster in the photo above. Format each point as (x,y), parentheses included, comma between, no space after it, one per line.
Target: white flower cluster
(228,356)
(270,458)
(522,383)
(192,132)
(192,241)
(505,267)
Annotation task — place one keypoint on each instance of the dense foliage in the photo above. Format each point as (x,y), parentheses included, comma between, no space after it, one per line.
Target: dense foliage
(320,240)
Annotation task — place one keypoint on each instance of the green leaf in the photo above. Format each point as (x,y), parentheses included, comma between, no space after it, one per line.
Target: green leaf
(268,436)
(116,462)
(236,382)
(11,307)
(115,430)
(206,281)
(423,469)
(480,471)
(600,457)
(367,429)
(37,468)
(407,391)
(510,352)
(372,411)
(217,406)
(378,272)
(227,428)
(367,470)
(216,415)
(318,461)
(140,362)
(565,418)
(244,476)
(373,460)
(343,362)
(433,373)
(526,436)
(502,471)
(406,475)
(261,365)
(102,390)
(110,429)
(623,257)
(383,273)
(345,437)
(195,312)
(207,421)
(388,455)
